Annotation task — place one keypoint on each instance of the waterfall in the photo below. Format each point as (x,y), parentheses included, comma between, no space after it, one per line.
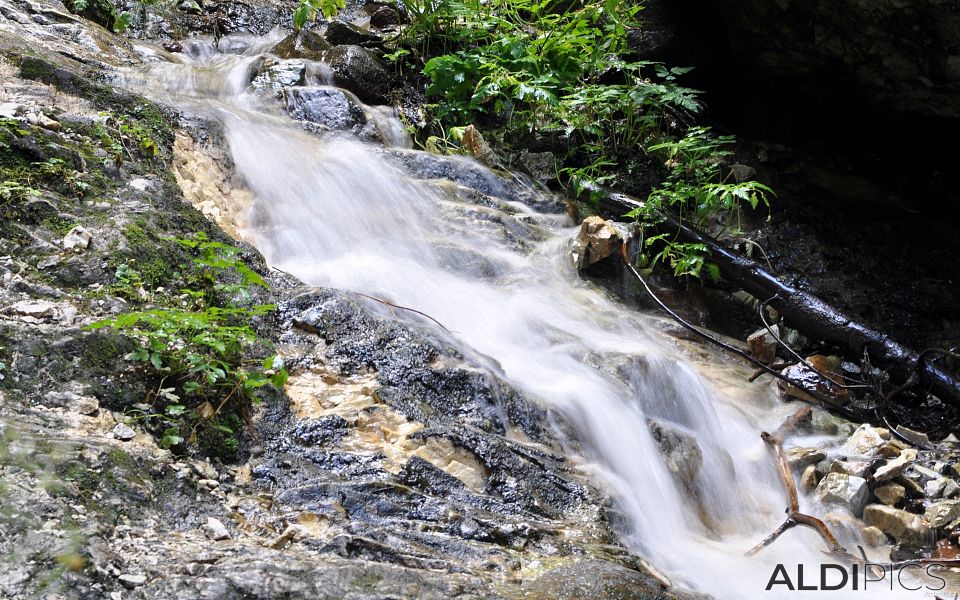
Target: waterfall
(339,212)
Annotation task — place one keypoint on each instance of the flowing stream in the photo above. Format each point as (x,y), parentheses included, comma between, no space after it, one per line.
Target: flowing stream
(335,212)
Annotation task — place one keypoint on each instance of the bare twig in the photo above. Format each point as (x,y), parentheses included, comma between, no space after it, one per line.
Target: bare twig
(413,310)
(380,300)
(823,376)
(819,398)
(794,517)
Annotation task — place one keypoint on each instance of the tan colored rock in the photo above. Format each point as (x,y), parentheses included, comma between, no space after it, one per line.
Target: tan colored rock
(809,478)
(800,457)
(904,527)
(478,147)
(596,240)
(940,513)
(890,494)
(857,468)
(763,345)
(865,442)
(873,536)
(895,467)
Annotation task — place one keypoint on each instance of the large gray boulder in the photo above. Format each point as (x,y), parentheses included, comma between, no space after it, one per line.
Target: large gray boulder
(360,71)
(327,106)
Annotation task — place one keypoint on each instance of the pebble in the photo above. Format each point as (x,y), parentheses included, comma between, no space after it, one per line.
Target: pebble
(123,432)
(890,494)
(215,530)
(132,581)
(77,239)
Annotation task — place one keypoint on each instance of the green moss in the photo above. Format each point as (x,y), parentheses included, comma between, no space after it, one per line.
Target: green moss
(148,251)
(102,349)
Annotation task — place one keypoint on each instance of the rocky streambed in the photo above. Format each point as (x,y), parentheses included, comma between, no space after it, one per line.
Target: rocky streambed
(391,465)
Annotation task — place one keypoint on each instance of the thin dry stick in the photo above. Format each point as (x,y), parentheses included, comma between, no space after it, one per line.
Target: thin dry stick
(381,301)
(413,310)
(794,516)
(819,398)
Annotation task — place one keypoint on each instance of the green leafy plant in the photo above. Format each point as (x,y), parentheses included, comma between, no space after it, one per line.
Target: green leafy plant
(537,67)
(699,192)
(124,19)
(203,352)
(308,10)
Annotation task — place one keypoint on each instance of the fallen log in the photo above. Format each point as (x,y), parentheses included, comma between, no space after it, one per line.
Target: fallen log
(805,312)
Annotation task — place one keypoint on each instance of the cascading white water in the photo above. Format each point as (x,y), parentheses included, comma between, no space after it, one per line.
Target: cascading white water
(335,213)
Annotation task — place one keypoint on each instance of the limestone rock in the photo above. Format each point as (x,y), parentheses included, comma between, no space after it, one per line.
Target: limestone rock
(360,71)
(132,581)
(906,528)
(800,458)
(763,346)
(77,239)
(846,490)
(874,536)
(895,467)
(215,530)
(123,432)
(890,494)
(940,513)
(596,240)
(37,309)
(934,488)
(864,442)
(857,468)
(809,478)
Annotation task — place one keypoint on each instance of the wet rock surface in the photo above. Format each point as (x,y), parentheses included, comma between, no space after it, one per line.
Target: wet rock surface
(326,106)
(390,466)
(360,71)
(902,494)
